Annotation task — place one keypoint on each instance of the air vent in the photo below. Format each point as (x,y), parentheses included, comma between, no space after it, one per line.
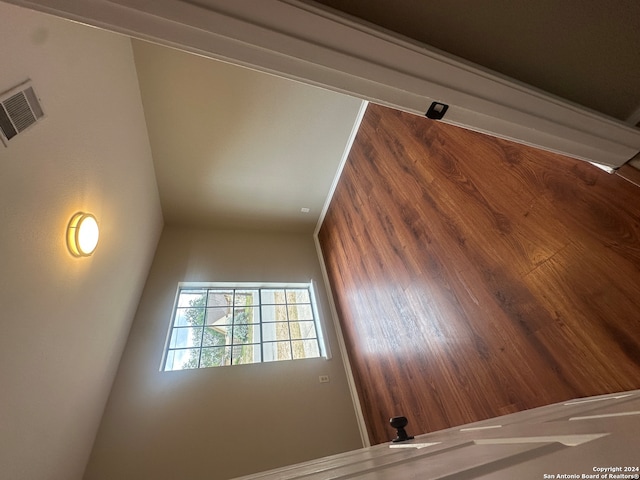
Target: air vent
(19,110)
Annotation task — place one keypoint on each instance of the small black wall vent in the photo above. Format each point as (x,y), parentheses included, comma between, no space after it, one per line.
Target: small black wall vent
(19,110)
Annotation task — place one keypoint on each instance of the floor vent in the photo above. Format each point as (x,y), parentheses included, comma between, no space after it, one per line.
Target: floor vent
(19,110)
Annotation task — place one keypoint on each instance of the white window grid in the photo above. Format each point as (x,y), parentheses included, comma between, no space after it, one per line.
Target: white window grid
(251,324)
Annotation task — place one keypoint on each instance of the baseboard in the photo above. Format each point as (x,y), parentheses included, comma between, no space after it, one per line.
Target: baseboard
(630,171)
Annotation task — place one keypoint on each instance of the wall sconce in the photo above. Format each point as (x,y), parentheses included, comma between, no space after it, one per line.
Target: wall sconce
(82,234)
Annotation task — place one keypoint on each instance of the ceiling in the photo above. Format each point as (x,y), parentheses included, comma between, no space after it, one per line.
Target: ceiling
(585,51)
(236,148)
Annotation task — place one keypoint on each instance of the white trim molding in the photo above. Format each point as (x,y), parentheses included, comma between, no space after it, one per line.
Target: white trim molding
(300,41)
(634,118)
(342,346)
(341,165)
(355,398)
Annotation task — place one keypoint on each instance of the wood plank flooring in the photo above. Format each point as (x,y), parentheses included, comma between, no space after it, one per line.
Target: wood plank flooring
(475,277)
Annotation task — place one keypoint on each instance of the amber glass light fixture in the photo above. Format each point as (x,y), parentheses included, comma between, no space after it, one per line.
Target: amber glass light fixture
(82,234)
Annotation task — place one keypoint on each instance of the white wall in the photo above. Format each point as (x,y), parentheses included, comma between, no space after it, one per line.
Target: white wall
(226,421)
(65,320)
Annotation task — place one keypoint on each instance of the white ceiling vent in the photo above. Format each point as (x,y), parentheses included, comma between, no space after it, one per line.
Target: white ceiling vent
(19,110)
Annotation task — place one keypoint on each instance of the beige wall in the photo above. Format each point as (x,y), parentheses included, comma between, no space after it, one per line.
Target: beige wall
(227,421)
(65,320)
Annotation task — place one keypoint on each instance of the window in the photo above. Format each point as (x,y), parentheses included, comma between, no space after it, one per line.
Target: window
(216,325)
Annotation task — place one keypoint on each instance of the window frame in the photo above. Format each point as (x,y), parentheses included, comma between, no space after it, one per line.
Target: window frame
(323,346)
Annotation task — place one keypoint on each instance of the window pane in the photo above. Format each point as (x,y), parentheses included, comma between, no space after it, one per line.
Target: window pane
(246,315)
(300,330)
(223,326)
(298,296)
(246,334)
(275,331)
(276,351)
(216,336)
(274,313)
(273,296)
(305,349)
(185,337)
(220,298)
(189,317)
(215,357)
(182,359)
(191,298)
(247,297)
(300,312)
(244,354)
(219,316)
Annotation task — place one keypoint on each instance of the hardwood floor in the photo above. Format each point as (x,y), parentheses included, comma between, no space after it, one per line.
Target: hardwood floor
(475,277)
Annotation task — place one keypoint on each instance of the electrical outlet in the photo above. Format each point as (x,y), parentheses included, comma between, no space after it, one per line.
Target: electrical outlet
(324,378)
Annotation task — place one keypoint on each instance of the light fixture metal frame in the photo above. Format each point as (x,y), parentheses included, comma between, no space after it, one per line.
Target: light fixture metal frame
(73,235)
